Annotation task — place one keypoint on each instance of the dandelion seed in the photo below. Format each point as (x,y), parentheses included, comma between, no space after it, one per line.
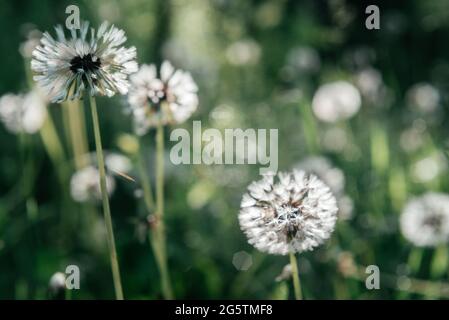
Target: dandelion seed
(99,64)
(23,113)
(425,220)
(295,214)
(169,97)
(85,185)
(336,101)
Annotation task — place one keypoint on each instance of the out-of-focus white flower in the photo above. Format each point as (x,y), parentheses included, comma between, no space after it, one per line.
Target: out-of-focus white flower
(371,86)
(336,101)
(411,139)
(423,98)
(303,59)
(85,185)
(331,176)
(294,214)
(23,113)
(27,47)
(243,52)
(99,64)
(168,98)
(57,282)
(334,139)
(425,220)
(428,168)
(118,163)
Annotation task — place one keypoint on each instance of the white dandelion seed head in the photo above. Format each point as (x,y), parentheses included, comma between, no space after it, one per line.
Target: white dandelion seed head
(167,97)
(336,101)
(33,40)
(428,168)
(425,220)
(117,162)
(296,213)
(57,282)
(23,113)
(85,185)
(423,98)
(243,52)
(95,62)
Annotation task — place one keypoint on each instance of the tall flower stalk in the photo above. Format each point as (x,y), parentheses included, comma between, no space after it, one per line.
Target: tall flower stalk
(94,63)
(157,99)
(105,200)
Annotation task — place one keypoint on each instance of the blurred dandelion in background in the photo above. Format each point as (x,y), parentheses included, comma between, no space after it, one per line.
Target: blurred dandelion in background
(336,101)
(24,112)
(85,185)
(425,220)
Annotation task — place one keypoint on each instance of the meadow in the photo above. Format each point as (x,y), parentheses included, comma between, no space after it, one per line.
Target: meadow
(363,110)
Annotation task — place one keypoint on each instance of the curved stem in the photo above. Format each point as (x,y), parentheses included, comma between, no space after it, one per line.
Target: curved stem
(105,198)
(295,275)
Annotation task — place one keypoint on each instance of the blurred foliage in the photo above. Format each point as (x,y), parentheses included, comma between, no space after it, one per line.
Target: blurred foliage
(238,53)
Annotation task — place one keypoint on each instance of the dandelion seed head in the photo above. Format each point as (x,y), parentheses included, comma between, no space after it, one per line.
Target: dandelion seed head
(57,282)
(167,97)
(23,113)
(85,185)
(95,62)
(27,47)
(336,101)
(118,162)
(296,213)
(243,52)
(425,220)
(423,98)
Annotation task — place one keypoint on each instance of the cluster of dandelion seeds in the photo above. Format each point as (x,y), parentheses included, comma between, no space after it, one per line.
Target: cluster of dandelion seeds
(169,97)
(23,112)
(99,64)
(296,213)
(425,220)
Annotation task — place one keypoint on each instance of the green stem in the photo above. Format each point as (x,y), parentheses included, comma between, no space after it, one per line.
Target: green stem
(145,180)
(159,245)
(295,275)
(105,198)
(309,127)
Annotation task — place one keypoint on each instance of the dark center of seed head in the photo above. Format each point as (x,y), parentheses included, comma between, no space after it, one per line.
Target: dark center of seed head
(86,63)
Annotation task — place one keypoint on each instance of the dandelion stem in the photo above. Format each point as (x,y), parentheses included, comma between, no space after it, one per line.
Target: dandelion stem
(309,127)
(295,275)
(105,198)
(159,237)
(145,180)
